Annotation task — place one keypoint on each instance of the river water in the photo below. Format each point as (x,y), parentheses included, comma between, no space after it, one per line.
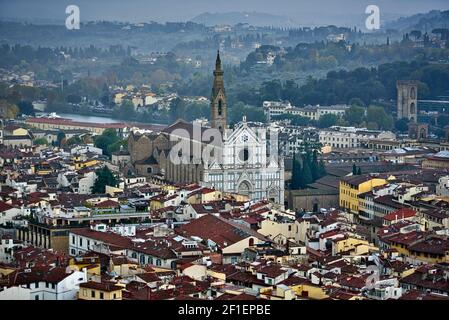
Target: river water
(83,118)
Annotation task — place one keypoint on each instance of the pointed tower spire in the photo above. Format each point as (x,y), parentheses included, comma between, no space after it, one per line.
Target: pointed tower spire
(218,98)
(218,70)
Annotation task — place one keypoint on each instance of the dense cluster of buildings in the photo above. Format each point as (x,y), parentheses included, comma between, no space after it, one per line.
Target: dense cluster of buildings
(375,227)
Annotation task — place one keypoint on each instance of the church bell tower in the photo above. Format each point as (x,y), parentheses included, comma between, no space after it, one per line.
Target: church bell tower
(218,99)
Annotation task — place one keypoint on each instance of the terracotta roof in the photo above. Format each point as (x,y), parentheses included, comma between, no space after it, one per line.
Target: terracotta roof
(5,207)
(101,286)
(62,121)
(432,245)
(241,296)
(272,271)
(149,277)
(419,295)
(221,231)
(38,274)
(105,237)
(107,204)
(400,214)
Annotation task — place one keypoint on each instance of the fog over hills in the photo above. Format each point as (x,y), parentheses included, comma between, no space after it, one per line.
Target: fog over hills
(251,18)
(423,21)
(302,12)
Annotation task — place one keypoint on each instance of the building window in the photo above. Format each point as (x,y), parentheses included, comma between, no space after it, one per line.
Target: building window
(92,294)
(158,262)
(101,295)
(244,155)
(220,107)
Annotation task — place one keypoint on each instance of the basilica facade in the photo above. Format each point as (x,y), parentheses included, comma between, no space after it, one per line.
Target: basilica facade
(240,163)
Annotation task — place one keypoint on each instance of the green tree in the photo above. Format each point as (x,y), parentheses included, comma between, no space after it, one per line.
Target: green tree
(327,120)
(73,141)
(178,109)
(401,125)
(60,137)
(359,171)
(377,114)
(26,107)
(41,141)
(354,115)
(322,168)
(125,111)
(8,110)
(116,146)
(107,138)
(306,173)
(354,169)
(104,178)
(357,102)
(296,174)
(314,166)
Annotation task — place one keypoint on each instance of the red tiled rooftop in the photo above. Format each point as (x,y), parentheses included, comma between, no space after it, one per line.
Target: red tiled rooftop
(403,213)
(62,121)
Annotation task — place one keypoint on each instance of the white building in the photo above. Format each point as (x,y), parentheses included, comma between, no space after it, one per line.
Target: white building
(442,189)
(7,247)
(351,137)
(45,283)
(275,108)
(7,212)
(86,183)
(245,167)
(82,149)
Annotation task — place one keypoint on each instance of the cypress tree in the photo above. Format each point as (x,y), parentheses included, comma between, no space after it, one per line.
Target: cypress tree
(104,178)
(306,173)
(354,169)
(314,166)
(359,171)
(296,174)
(322,168)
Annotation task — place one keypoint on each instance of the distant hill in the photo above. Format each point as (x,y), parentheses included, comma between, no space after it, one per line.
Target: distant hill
(256,19)
(423,21)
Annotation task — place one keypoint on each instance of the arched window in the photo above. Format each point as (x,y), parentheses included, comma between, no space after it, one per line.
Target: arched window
(244,155)
(412,93)
(158,262)
(150,260)
(220,107)
(251,242)
(412,108)
(422,134)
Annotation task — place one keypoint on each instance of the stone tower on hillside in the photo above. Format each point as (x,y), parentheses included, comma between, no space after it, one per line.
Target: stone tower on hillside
(218,99)
(407,102)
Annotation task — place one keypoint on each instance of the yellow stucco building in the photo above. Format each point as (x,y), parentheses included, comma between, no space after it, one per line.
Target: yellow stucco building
(100,291)
(352,186)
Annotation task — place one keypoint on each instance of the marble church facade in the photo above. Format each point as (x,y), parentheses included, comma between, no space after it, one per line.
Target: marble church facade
(240,163)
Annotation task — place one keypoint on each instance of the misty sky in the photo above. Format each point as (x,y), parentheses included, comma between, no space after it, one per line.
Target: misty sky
(319,11)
